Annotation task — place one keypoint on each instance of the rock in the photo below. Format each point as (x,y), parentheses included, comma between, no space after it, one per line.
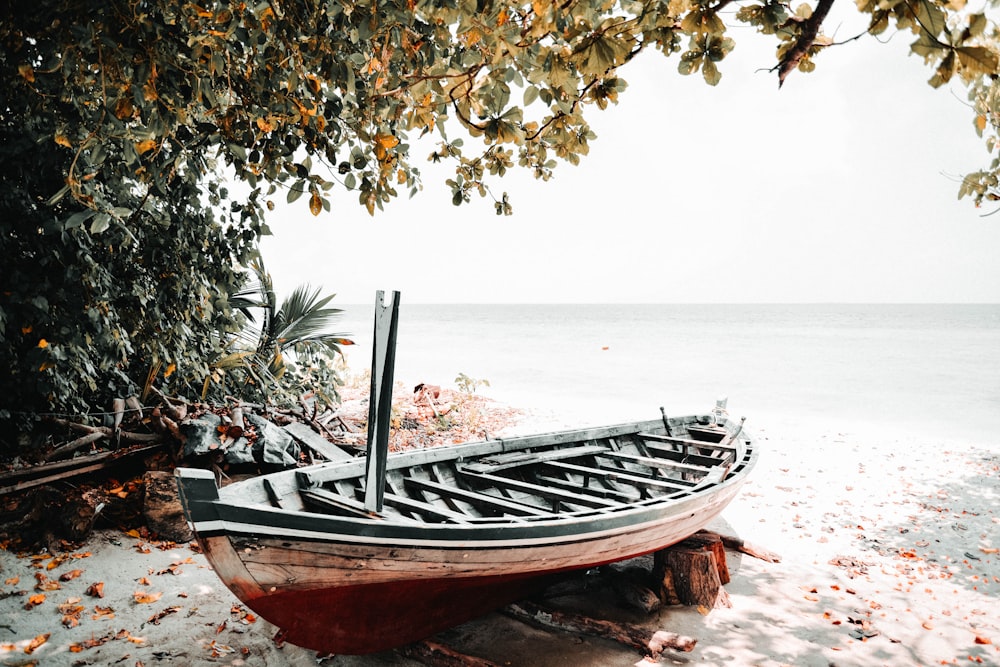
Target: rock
(274,447)
(162,508)
(201,435)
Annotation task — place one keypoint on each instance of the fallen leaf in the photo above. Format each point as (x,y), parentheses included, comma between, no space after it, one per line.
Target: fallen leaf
(35,600)
(156,618)
(72,574)
(102,613)
(927,625)
(983,640)
(142,597)
(36,642)
(143,582)
(95,590)
(13,581)
(71,620)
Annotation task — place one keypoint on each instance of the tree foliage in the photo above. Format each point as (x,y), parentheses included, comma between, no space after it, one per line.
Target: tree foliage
(285,349)
(120,117)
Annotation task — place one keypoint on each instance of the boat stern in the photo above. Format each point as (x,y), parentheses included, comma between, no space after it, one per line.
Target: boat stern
(198,495)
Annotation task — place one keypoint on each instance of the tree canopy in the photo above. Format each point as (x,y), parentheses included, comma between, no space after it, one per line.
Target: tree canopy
(121,119)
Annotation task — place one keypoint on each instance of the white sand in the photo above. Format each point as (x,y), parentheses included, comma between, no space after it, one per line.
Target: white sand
(882,534)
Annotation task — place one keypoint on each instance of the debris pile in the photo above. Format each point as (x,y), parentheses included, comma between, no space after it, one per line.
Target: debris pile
(45,500)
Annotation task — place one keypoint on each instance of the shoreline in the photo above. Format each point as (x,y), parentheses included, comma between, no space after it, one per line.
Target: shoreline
(889,556)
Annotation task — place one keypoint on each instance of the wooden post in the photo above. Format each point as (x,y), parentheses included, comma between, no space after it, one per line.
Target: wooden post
(380,402)
(692,572)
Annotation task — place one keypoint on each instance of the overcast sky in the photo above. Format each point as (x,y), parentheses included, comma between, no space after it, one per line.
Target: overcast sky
(841,187)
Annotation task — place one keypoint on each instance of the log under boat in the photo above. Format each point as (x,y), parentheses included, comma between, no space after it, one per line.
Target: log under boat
(459,530)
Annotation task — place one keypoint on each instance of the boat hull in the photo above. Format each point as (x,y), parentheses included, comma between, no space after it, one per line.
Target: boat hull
(355,586)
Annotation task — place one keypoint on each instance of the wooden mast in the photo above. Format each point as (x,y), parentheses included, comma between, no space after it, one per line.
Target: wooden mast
(380,401)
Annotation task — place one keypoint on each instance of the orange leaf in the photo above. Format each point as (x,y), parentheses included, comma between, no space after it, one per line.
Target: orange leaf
(315,203)
(12,581)
(35,600)
(36,642)
(102,612)
(387,141)
(27,72)
(145,146)
(63,140)
(43,343)
(983,640)
(95,590)
(142,597)
(72,574)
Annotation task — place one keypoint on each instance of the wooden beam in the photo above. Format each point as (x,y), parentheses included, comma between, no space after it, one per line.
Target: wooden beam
(655,463)
(516,459)
(701,444)
(380,402)
(555,495)
(598,491)
(316,442)
(670,453)
(428,511)
(342,505)
(631,479)
(481,500)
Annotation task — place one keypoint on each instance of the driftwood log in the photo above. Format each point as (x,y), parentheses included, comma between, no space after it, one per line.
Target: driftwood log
(629,635)
(435,654)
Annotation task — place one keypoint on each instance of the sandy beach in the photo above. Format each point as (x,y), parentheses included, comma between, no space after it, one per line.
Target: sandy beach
(889,556)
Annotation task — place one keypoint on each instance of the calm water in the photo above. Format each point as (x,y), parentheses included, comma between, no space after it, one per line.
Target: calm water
(935,367)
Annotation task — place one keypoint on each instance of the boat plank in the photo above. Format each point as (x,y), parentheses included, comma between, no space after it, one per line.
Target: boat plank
(482,500)
(564,437)
(653,462)
(557,495)
(273,494)
(677,455)
(516,459)
(701,444)
(334,501)
(598,491)
(618,476)
(427,510)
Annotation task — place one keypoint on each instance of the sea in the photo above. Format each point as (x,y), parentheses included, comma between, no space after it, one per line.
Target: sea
(932,369)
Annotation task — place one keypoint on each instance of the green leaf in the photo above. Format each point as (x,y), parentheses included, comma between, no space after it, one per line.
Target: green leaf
(711,72)
(530,95)
(77,219)
(930,17)
(297,190)
(101,222)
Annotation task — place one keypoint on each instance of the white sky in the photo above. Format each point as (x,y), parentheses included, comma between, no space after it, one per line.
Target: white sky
(841,187)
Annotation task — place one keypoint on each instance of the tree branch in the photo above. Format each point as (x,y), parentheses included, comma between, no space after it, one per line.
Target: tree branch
(810,30)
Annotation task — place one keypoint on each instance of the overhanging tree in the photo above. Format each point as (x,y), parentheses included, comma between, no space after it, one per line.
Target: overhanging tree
(120,117)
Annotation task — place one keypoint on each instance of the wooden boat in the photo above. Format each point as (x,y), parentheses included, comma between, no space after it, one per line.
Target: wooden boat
(458,530)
